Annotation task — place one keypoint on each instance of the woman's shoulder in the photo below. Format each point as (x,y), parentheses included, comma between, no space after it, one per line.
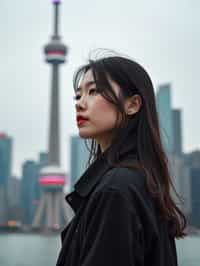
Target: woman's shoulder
(127,185)
(122,179)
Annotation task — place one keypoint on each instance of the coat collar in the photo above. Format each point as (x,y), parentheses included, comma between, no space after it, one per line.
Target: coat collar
(92,175)
(84,186)
(86,183)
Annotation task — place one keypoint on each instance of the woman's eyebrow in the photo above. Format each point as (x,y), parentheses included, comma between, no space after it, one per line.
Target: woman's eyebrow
(87,84)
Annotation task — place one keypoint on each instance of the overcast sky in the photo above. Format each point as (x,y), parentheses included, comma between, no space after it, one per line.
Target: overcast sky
(163,35)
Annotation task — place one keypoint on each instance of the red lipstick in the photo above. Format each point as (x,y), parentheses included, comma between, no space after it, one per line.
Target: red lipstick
(81,119)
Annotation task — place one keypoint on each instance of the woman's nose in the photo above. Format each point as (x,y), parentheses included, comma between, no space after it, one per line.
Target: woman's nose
(80,104)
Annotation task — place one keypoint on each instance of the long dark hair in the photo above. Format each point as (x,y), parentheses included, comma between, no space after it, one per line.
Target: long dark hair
(133,79)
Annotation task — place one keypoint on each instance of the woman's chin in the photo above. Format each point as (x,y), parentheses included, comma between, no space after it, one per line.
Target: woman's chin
(84,135)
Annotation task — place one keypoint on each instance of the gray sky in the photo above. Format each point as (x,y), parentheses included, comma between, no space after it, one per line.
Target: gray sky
(162,35)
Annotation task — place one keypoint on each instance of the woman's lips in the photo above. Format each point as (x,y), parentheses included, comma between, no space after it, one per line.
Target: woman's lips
(81,121)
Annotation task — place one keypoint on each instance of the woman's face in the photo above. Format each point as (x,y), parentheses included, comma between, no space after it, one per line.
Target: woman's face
(101,114)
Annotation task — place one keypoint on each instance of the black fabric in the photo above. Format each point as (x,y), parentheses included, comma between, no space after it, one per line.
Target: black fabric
(116,222)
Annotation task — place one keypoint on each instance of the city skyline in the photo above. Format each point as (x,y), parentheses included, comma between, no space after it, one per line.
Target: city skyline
(155,34)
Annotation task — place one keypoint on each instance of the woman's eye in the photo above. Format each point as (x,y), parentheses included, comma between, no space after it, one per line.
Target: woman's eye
(92,91)
(78,96)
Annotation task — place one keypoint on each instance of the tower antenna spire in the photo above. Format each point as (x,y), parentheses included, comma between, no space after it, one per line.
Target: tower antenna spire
(56,17)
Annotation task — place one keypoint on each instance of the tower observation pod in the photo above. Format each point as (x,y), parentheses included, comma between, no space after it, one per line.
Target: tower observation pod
(55,51)
(53,211)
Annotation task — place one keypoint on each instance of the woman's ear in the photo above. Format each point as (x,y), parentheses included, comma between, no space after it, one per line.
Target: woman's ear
(133,104)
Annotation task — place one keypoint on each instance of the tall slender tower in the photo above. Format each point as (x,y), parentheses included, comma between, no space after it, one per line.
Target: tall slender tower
(53,211)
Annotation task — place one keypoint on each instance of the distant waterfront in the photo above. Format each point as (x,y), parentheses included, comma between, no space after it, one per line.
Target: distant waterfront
(41,250)
(29,249)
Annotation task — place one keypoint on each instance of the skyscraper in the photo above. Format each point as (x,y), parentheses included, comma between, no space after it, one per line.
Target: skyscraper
(192,160)
(52,178)
(177,131)
(5,175)
(15,210)
(30,187)
(79,156)
(164,107)
(29,179)
(180,173)
(195,188)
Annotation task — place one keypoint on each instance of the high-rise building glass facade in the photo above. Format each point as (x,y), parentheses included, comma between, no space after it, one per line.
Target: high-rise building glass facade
(15,211)
(195,188)
(180,174)
(164,107)
(78,159)
(5,175)
(177,131)
(28,185)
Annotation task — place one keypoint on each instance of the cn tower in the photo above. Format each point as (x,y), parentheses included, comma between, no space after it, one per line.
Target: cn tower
(53,212)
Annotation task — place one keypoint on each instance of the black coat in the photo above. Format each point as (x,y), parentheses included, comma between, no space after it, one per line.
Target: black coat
(115,222)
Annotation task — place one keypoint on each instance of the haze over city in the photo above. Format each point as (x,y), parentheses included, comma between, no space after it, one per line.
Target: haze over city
(164,36)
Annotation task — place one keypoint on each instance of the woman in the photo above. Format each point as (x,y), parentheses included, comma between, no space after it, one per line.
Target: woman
(124,212)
